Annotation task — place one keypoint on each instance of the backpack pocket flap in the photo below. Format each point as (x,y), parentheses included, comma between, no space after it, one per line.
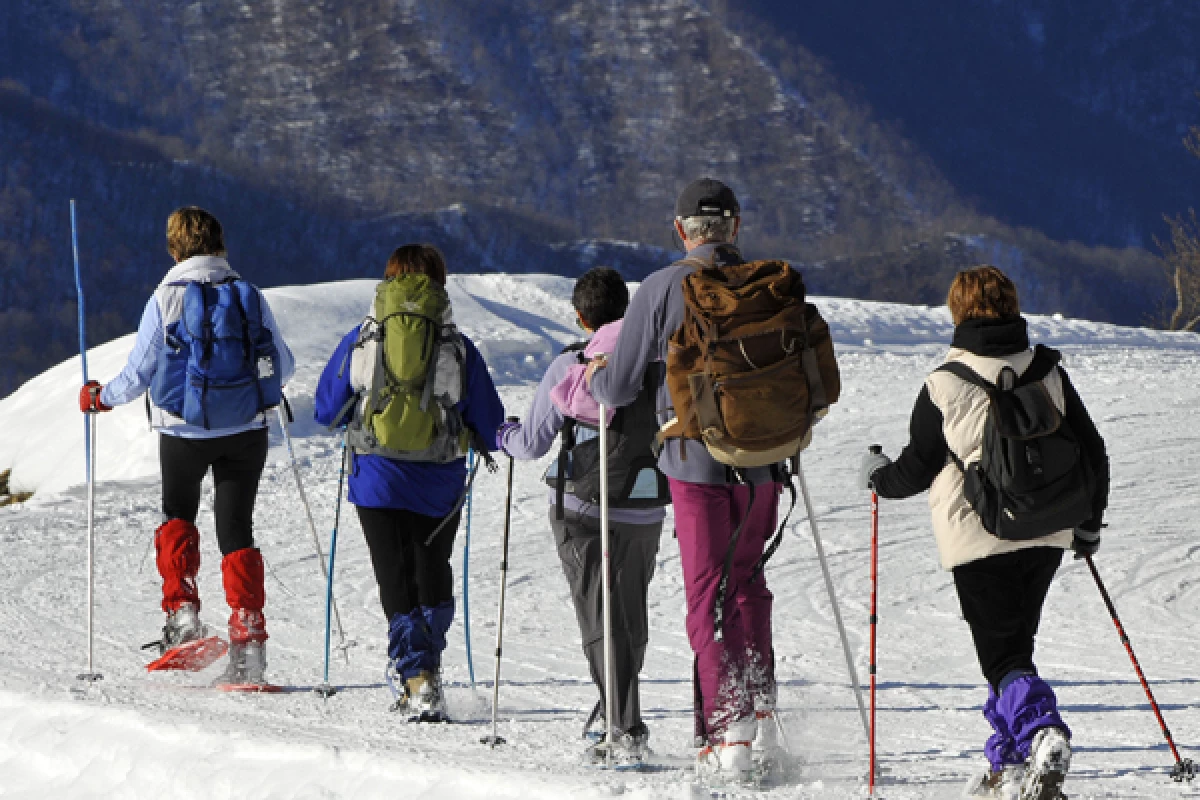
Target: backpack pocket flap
(704,403)
(1026,412)
(766,407)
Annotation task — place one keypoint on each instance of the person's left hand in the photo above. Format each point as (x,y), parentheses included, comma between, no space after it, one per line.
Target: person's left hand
(599,361)
(871,463)
(502,432)
(89,398)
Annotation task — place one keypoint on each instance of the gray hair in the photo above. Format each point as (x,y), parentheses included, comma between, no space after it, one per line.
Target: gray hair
(708,229)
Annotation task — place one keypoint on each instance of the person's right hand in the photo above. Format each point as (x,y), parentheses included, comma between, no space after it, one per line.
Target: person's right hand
(599,361)
(1085,543)
(89,398)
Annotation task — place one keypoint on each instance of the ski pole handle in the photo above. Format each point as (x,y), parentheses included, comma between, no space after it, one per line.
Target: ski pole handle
(876,449)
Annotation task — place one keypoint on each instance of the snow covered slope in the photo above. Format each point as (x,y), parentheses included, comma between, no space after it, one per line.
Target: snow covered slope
(133,735)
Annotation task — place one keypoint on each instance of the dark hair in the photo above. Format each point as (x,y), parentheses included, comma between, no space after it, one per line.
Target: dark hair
(600,296)
(982,293)
(192,231)
(417,259)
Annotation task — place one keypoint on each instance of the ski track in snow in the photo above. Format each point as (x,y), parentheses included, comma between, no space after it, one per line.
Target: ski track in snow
(134,734)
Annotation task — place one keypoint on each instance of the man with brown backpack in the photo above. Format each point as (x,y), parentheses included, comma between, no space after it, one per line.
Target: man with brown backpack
(749,367)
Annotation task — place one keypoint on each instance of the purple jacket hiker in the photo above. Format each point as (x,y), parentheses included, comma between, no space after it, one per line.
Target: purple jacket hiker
(735,677)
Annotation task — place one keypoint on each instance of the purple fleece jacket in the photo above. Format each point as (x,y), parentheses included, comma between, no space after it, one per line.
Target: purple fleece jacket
(654,314)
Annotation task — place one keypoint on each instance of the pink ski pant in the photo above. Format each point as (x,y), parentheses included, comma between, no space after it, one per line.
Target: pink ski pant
(730,673)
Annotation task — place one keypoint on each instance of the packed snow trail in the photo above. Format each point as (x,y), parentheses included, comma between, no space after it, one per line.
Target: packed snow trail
(135,733)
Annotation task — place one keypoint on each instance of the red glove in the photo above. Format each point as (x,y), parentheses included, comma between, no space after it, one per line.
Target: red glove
(89,398)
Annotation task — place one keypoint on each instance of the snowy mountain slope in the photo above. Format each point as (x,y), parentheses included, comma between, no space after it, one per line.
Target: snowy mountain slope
(132,733)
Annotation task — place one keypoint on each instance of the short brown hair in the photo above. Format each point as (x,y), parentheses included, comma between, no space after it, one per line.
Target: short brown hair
(192,231)
(417,259)
(982,293)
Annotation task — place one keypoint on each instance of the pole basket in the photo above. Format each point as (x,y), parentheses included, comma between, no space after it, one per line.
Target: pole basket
(1184,770)
(325,690)
(491,741)
(92,677)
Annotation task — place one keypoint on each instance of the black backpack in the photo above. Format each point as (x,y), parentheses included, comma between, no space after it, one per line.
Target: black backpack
(634,480)
(1033,478)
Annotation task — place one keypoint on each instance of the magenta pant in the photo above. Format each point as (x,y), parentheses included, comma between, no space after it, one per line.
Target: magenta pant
(732,673)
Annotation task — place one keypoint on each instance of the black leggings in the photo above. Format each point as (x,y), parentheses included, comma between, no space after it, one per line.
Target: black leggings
(410,573)
(1001,598)
(237,464)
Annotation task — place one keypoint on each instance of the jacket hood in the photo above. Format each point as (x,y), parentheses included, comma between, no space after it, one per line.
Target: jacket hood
(201,269)
(992,337)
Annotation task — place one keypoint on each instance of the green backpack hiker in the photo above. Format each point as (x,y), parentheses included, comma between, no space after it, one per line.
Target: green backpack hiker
(408,367)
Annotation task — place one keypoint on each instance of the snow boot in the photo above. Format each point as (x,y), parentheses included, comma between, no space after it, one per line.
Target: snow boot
(1049,760)
(629,748)
(426,703)
(183,626)
(730,761)
(1001,784)
(247,666)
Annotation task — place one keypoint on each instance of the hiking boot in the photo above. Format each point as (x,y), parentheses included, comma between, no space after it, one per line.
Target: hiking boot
(1049,760)
(1001,784)
(730,760)
(628,748)
(426,703)
(247,665)
(183,626)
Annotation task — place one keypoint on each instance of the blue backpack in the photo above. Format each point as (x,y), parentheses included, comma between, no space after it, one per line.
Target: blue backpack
(220,368)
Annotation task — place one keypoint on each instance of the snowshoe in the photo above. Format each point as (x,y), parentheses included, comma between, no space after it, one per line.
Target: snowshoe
(185,643)
(1002,784)
(1049,760)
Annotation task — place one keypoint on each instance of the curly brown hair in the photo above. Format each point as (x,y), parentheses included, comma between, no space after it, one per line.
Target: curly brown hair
(192,231)
(982,293)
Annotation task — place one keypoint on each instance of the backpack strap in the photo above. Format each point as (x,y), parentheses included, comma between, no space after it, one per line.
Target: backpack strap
(785,476)
(247,345)
(564,459)
(1045,360)
(962,371)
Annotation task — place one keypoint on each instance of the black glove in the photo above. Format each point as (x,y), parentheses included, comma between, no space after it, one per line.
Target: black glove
(1085,543)
(871,463)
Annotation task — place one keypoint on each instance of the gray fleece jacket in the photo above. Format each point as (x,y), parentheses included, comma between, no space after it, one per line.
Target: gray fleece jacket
(655,313)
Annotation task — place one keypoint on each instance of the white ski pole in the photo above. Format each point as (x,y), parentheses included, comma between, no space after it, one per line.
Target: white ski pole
(312,528)
(837,613)
(89,434)
(495,739)
(610,693)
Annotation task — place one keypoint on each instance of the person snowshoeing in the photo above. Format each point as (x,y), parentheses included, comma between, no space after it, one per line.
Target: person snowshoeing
(564,405)
(414,393)
(724,514)
(210,353)
(1017,473)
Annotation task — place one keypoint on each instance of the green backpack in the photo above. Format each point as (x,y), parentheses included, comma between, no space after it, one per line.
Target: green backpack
(408,366)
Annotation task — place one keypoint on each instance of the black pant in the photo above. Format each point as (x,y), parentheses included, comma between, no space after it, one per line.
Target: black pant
(1001,598)
(237,464)
(634,548)
(409,572)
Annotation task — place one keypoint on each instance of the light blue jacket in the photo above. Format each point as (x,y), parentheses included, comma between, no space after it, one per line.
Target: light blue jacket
(142,363)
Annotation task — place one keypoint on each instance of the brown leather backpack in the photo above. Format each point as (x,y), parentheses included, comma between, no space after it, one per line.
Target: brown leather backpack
(752,366)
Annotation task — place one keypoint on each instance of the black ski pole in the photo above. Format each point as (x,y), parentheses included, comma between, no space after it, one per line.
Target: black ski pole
(1185,768)
(495,739)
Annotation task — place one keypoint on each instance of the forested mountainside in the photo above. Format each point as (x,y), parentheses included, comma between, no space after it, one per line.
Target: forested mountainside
(520,135)
(1060,115)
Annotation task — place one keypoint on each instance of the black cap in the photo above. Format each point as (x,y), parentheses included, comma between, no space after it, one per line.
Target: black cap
(706,197)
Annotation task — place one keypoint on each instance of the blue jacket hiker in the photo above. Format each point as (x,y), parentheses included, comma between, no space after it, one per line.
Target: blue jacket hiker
(212,357)
(414,393)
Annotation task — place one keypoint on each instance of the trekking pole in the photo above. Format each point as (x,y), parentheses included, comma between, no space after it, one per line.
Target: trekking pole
(326,690)
(1185,768)
(466,572)
(89,447)
(610,692)
(312,526)
(495,739)
(837,614)
(877,450)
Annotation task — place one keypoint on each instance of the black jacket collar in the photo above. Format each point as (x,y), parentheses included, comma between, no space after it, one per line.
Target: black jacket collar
(992,337)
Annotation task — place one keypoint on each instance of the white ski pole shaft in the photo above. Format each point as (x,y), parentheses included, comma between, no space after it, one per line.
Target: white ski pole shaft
(312,525)
(89,444)
(495,738)
(610,689)
(837,613)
